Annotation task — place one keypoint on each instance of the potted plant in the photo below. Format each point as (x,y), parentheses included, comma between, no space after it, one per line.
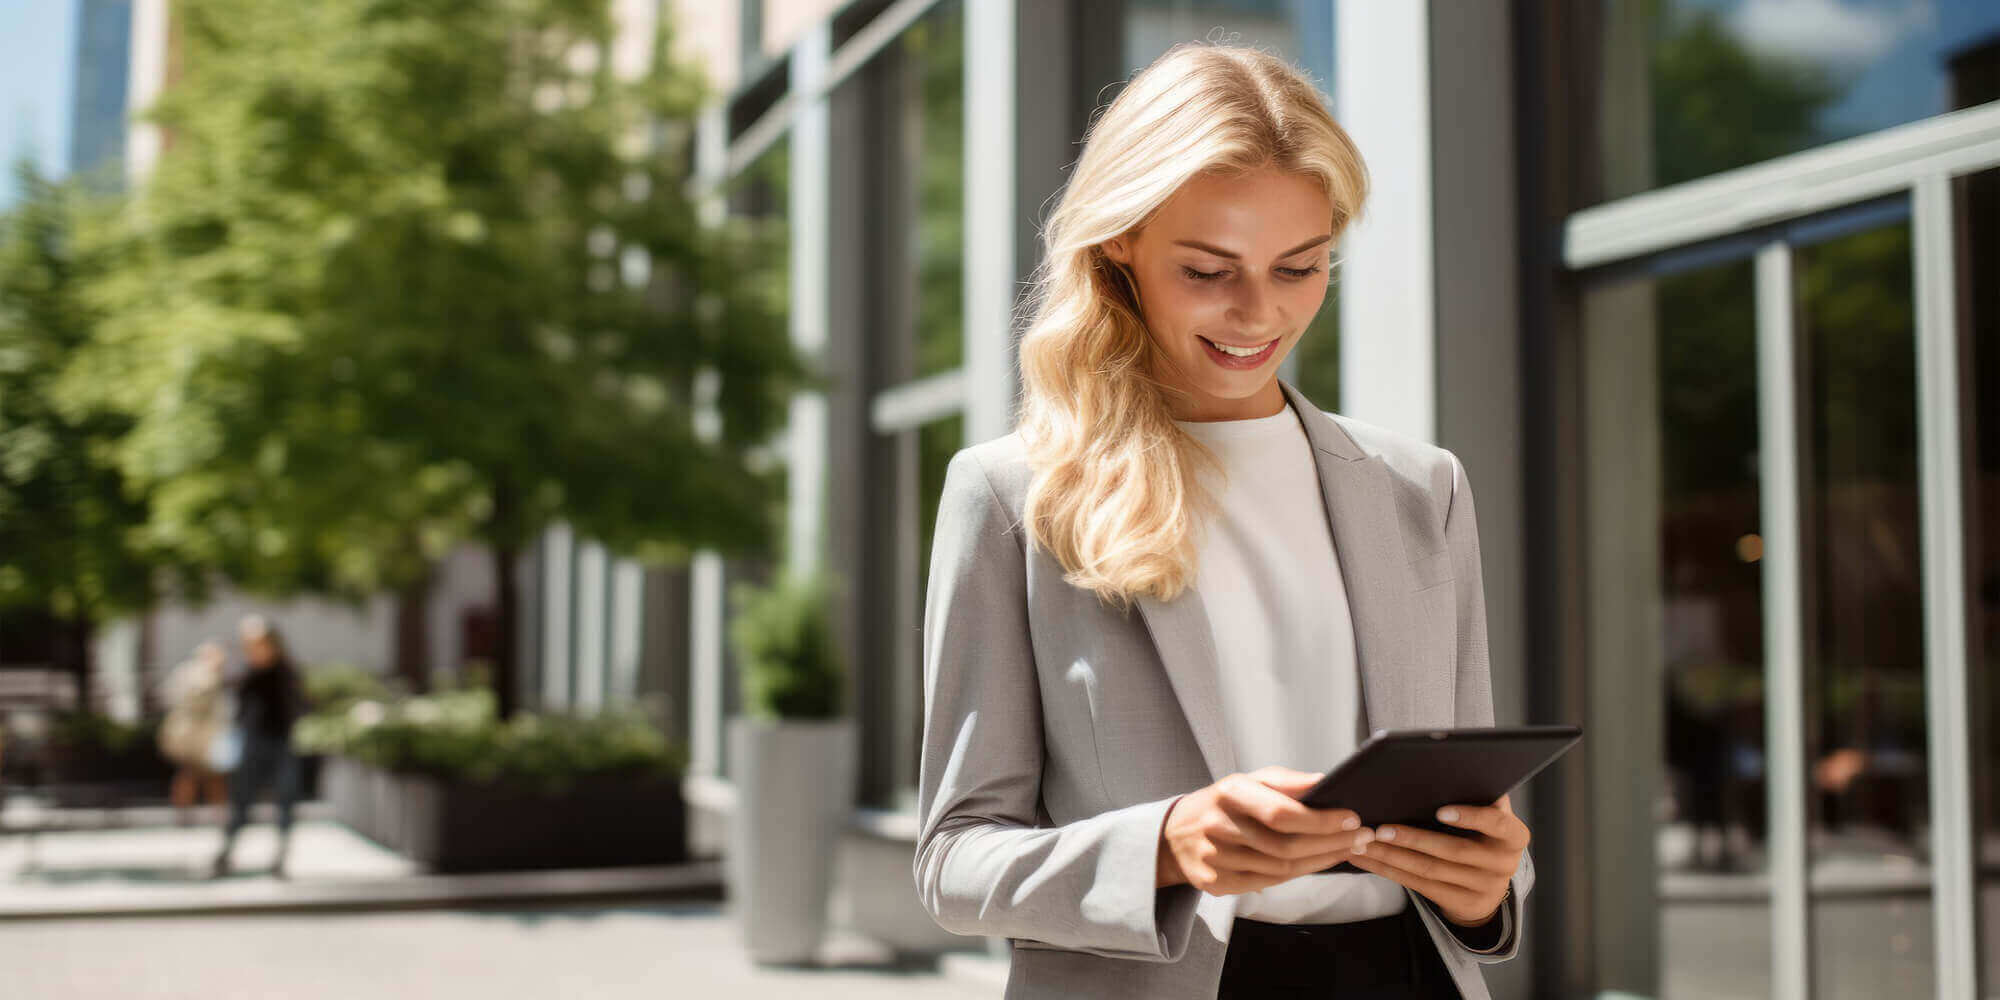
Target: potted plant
(793,753)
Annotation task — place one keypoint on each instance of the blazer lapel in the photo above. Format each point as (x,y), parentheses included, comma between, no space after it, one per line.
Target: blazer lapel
(1374,568)
(1186,645)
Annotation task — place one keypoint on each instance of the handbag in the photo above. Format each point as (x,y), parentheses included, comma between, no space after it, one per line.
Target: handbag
(226,749)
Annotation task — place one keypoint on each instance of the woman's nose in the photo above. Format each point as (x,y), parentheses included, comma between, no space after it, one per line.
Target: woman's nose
(1256,311)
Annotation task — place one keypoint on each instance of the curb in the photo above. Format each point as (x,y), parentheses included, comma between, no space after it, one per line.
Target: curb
(693,880)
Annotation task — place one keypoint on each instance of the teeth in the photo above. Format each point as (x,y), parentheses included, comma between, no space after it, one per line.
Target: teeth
(1241,352)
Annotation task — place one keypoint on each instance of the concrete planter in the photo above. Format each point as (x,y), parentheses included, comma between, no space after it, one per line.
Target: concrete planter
(794,794)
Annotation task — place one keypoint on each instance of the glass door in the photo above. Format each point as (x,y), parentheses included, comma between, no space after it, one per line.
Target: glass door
(1756,619)
(1681,890)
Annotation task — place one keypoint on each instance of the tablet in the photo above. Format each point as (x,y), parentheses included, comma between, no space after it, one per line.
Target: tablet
(1404,776)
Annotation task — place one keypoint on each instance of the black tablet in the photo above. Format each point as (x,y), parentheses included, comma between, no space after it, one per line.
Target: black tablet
(1404,776)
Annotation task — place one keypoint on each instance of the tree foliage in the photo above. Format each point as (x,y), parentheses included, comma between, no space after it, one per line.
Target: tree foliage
(71,545)
(417,270)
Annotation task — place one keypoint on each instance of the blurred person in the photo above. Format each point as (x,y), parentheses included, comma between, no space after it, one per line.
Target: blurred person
(197,698)
(1136,837)
(270,697)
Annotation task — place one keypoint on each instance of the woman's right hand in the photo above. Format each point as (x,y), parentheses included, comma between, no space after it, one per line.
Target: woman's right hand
(1249,831)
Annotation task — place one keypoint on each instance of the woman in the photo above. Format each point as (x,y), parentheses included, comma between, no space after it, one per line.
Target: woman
(197,702)
(269,698)
(1113,791)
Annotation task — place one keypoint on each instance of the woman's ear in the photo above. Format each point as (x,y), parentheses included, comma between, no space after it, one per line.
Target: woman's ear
(1118,250)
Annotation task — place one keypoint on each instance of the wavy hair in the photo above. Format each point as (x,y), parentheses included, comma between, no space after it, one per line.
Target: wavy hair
(1115,494)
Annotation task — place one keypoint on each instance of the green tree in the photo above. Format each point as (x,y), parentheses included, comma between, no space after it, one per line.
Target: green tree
(413,271)
(72,551)
(1718,104)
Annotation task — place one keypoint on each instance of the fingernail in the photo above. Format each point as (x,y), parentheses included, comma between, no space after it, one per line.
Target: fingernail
(1448,814)
(1388,833)
(1351,823)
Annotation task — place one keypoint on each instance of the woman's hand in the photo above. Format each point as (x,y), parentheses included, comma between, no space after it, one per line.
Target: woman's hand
(1465,876)
(1250,831)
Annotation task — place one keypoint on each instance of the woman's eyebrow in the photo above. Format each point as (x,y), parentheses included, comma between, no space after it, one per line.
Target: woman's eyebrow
(1233,255)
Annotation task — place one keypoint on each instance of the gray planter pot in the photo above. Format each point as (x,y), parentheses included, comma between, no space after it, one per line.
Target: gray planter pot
(794,795)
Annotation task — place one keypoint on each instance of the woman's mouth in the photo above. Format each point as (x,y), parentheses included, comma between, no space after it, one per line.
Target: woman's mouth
(1239,358)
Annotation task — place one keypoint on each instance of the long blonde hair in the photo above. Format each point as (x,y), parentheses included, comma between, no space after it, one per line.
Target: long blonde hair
(1115,495)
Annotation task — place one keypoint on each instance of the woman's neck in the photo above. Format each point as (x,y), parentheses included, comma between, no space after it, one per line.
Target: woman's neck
(1197,406)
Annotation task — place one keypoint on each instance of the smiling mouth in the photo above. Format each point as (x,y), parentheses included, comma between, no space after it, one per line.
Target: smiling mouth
(1236,351)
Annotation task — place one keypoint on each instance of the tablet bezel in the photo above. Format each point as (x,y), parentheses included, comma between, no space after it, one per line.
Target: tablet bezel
(1568,735)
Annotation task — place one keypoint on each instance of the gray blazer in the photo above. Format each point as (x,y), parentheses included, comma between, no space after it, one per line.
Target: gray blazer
(1057,732)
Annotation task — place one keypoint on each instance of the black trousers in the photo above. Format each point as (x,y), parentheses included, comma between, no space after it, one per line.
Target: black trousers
(1388,958)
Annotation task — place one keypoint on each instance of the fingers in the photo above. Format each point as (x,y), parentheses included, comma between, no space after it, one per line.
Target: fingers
(1247,832)
(1285,779)
(1429,867)
(1453,898)
(1478,852)
(1497,821)
(1246,869)
(1246,796)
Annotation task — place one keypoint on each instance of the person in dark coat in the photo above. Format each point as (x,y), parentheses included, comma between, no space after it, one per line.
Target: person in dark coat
(270,697)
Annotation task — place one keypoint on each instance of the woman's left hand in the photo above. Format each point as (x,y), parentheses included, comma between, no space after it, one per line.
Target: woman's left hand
(1465,876)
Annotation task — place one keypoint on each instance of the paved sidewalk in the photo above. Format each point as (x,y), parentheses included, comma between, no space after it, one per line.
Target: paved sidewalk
(638,951)
(124,870)
(355,919)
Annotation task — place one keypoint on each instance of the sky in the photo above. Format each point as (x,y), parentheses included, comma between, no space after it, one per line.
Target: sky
(37,46)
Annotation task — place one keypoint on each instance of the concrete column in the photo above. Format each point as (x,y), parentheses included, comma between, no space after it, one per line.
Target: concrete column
(1388,324)
(558,575)
(810,189)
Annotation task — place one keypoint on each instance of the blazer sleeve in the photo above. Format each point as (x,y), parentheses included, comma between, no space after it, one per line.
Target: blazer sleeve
(984,866)
(1474,697)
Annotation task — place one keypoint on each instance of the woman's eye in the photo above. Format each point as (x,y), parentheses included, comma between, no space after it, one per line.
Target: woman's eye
(1290,272)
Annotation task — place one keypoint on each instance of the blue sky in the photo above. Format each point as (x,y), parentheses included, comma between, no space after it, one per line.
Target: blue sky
(37,45)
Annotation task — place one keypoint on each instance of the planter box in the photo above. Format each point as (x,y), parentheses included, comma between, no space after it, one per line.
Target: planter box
(458,826)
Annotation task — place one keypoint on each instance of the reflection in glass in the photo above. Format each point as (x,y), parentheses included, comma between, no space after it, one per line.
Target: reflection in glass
(1714,928)
(935,117)
(920,456)
(1677,638)
(1711,573)
(1298,30)
(1688,88)
(1978,203)
(1317,356)
(1868,784)
(937,441)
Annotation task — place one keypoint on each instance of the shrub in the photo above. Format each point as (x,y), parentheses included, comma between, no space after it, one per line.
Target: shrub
(783,636)
(457,734)
(335,686)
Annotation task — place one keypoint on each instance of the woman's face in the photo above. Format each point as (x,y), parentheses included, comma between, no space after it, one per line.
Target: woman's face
(1228,267)
(260,651)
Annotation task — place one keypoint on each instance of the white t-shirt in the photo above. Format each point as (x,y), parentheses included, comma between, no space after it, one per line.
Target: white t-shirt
(1291,692)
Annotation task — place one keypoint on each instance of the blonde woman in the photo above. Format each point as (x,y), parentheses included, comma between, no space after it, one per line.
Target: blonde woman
(198,709)
(1179,591)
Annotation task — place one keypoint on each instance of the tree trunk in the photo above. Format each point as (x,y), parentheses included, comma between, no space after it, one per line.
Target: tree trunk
(413,633)
(506,682)
(76,649)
